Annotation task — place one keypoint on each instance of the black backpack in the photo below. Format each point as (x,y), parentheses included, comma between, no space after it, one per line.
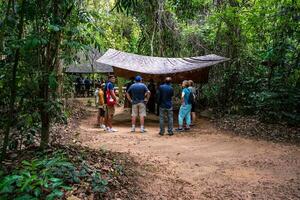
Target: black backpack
(191,98)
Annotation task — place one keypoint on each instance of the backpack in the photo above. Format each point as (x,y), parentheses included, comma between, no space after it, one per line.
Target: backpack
(191,99)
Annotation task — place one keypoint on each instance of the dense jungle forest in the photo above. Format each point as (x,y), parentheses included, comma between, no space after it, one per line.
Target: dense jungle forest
(39,39)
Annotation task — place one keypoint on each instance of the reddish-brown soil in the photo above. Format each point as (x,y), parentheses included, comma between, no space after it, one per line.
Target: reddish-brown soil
(204,163)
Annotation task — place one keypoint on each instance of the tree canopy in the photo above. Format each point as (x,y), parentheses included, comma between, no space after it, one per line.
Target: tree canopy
(260,37)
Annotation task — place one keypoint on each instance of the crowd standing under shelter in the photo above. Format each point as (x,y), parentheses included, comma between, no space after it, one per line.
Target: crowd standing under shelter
(141,98)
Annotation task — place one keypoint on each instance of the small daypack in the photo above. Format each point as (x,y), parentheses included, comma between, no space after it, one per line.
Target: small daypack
(191,99)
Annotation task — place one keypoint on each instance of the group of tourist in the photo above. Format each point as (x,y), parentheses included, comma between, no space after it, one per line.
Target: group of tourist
(138,95)
(84,86)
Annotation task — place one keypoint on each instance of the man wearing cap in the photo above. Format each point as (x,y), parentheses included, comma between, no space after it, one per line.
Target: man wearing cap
(138,94)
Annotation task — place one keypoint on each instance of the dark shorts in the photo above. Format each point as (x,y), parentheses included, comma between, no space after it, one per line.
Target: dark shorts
(101,112)
(193,107)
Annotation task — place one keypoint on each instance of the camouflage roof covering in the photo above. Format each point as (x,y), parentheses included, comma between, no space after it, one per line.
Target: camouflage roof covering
(128,65)
(85,61)
(86,68)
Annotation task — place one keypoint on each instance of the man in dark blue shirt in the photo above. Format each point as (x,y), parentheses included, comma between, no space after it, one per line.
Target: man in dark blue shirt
(166,93)
(138,94)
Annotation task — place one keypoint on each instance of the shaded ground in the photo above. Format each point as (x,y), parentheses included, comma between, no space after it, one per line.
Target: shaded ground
(204,163)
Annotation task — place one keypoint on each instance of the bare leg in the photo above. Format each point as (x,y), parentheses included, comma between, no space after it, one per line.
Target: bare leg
(109,121)
(133,120)
(101,120)
(193,117)
(98,119)
(106,119)
(142,120)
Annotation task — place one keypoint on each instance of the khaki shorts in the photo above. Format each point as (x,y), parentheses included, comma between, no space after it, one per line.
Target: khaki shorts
(110,110)
(139,110)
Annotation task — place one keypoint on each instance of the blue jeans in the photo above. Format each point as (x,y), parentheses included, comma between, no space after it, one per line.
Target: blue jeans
(161,119)
(184,113)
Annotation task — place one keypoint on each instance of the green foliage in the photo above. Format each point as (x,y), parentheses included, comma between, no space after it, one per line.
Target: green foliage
(261,79)
(52,31)
(260,37)
(37,179)
(48,178)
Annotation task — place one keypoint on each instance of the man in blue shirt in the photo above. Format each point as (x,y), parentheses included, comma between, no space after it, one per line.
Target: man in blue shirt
(165,94)
(110,103)
(138,94)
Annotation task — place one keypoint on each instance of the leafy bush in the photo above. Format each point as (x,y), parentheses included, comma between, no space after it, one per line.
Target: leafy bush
(273,100)
(48,178)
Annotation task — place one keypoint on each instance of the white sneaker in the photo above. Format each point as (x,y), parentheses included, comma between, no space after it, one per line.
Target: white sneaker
(103,126)
(107,129)
(113,130)
(132,129)
(143,130)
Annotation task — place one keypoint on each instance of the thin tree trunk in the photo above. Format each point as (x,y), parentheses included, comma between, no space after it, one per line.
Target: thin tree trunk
(51,57)
(45,119)
(159,21)
(152,39)
(59,72)
(13,87)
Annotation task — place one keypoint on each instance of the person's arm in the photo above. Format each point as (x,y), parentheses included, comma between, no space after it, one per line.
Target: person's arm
(112,92)
(182,97)
(147,94)
(128,97)
(128,94)
(113,95)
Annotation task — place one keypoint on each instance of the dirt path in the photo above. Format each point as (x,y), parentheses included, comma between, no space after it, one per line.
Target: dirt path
(201,164)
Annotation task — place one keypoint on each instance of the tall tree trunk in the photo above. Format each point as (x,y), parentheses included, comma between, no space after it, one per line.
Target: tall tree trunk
(45,119)
(152,39)
(51,59)
(13,87)
(59,73)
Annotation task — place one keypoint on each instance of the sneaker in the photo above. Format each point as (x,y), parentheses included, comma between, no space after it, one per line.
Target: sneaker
(113,130)
(132,130)
(170,133)
(179,129)
(103,126)
(187,128)
(107,129)
(143,130)
(161,134)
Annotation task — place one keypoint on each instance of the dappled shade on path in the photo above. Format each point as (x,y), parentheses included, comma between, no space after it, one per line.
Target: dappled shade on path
(204,162)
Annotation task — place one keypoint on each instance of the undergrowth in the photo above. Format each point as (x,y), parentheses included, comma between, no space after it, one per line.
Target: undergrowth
(49,177)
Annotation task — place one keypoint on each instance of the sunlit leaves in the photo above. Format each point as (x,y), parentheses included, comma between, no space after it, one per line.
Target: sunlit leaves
(125,5)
